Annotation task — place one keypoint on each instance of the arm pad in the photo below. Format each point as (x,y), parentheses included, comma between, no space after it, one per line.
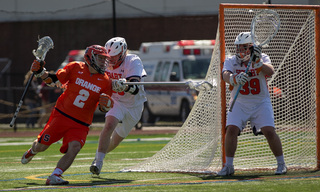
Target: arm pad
(51,80)
(133,89)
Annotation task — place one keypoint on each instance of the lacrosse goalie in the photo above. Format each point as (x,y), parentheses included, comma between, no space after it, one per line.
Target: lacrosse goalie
(253,102)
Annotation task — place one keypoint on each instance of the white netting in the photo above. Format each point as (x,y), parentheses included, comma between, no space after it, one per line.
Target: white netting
(197,145)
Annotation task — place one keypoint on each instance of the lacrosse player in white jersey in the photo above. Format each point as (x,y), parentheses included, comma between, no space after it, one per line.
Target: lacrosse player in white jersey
(128,99)
(253,102)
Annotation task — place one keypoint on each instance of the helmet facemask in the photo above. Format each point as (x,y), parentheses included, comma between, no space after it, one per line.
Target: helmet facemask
(98,62)
(243,52)
(115,61)
(96,57)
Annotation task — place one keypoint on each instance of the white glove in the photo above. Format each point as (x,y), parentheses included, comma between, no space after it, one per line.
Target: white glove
(118,86)
(256,51)
(238,79)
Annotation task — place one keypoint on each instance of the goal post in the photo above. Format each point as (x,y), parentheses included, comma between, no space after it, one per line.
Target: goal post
(294,90)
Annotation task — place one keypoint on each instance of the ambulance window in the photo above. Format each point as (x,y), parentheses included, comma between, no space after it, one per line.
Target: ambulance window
(157,72)
(195,69)
(175,73)
(165,70)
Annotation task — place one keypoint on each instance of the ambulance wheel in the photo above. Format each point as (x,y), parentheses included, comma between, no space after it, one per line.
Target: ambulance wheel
(184,110)
(139,125)
(147,116)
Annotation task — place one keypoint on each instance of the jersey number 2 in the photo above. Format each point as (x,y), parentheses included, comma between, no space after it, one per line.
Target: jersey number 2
(83,96)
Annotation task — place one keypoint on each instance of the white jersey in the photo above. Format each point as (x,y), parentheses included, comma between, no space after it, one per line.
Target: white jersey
(130,67)
(254,91)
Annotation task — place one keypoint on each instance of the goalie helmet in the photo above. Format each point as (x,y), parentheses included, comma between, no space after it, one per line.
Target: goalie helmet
(116,51)
(92,57)
(243,43)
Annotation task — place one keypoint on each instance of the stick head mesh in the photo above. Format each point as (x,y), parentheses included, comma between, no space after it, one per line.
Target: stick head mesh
(264,27)
(44,44)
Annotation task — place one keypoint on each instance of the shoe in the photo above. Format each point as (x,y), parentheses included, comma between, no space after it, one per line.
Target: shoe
(27,156)
(96,167)
(226,171)
(282,169)
(56,180)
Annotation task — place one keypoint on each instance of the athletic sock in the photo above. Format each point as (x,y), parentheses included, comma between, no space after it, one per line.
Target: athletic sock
(57,171)
(280,159)
(229,161)
(32,152)
(100,156)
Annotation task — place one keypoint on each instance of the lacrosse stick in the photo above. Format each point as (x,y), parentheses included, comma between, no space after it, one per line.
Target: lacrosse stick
(199,85)
(44,44)
(264,27)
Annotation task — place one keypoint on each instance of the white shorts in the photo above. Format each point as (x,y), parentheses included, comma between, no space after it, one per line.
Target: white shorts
(259,116)
(128,117)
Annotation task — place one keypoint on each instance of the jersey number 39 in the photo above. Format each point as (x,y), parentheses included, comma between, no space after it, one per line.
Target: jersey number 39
(252,86)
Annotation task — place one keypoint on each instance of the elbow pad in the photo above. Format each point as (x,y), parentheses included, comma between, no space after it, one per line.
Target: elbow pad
(51,80)
(133,89)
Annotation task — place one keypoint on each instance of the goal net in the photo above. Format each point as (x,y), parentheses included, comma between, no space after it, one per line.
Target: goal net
(294,52)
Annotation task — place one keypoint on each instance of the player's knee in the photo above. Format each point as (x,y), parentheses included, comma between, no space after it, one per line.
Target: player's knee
(268,132)
(74,147)
(233,131)
(38,147)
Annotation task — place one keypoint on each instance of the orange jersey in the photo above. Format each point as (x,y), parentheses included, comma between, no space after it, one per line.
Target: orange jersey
(81,97)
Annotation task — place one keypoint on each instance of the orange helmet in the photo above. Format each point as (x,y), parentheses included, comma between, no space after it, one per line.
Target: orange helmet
(92,59)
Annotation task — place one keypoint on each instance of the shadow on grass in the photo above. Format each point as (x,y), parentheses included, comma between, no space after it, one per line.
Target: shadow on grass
(261,175)
(234,177)
(100,181)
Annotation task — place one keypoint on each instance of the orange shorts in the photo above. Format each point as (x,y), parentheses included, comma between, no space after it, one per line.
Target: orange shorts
(59,126)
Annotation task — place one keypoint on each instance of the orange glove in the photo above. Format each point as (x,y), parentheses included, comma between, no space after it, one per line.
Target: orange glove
(37,66)
(105,102)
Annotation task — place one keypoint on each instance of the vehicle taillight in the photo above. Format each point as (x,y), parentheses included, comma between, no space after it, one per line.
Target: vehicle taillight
(187,51)
(145,49)
(167,48)
(196,52)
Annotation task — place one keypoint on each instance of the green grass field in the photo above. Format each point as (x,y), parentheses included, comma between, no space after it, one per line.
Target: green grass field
(31,177)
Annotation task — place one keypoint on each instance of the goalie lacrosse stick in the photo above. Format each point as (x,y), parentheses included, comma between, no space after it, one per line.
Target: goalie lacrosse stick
(44,44)
(199,85)
(264,27)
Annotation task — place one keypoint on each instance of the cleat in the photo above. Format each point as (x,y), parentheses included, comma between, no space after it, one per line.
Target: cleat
(95,167)
(281,170)
(27,156)
(56,180)
(226,171)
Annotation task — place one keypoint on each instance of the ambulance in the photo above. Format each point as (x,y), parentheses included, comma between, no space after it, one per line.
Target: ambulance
(175,61)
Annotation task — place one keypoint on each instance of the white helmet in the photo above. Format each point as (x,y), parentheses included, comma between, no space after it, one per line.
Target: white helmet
(243,38)
(243,43)
(116,51)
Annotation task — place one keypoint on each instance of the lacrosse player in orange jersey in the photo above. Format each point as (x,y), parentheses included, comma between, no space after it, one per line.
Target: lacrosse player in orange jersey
(87,86)
(253,102)
(128,100)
